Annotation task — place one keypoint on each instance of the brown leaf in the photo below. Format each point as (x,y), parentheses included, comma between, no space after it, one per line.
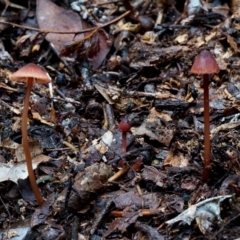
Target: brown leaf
(35,148)
(58,19)
(177,159)
(122,223)
(204,212)
(152,174)
(94,45)
(84,48)
(133,199)
(87,183)
(153,128)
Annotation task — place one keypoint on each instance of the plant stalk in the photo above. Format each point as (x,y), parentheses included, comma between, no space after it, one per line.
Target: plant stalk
(124,142)
(207,144)
(26,148)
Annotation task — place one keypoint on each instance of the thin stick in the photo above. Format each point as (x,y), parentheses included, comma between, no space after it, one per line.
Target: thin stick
(129,153)
(207,146)
(118,174)
(66,32)
(26,148)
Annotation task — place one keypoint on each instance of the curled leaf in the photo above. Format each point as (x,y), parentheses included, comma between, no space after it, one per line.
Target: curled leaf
(205,212)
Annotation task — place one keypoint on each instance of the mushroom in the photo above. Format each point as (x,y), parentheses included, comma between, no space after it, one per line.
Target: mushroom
(124,127)
(205,64)
(29,74)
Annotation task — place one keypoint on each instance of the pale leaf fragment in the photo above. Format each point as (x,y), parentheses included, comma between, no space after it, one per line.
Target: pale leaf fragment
(204,212)
(14,171)
(105,142)
(181,38)
(37,116)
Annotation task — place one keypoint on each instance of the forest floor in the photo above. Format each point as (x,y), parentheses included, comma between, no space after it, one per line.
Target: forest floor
(127,63)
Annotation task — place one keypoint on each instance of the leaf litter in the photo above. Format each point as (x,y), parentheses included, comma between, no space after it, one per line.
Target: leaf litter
(111,62)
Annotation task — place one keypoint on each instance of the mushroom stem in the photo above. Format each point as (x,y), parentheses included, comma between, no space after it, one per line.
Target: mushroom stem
(26,148)
(124,142)
(207,146)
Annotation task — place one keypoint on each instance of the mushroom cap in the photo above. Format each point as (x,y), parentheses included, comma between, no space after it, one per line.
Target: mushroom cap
(205,63)
(124,126)
(31,71)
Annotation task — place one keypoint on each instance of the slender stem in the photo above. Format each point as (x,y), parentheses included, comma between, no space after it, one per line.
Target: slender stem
(207,144)
(124,142)
(26,148)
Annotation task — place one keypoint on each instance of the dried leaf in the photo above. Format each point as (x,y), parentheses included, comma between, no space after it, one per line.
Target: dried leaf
(153,128)
(151,232)
(105,142)
(121,224)
(40,214)
(37,116)
(142,55)
(4,55)
(69,21)
(9,144)
(181,38)
(205,212)
(232,43)
(133,199)
(14,171)
(84,48)
(177,159)
(17,230)
(235,6)
(95,46)
(130,27)
(152,174)
(35,149)
(194,6)
(111,94)
(87,183)
(22,39)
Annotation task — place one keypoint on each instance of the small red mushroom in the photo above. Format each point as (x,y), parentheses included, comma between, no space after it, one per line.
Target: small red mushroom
(124,127)
(29,74)
(205,64)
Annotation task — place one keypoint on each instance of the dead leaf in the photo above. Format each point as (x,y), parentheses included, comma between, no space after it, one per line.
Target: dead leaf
(4,55)
(37,116)
(152,174)
(9,144)
(41,213)
(35,149)
(105,142)
(87,183)
(151,232)
(20,229)
(121,224)
(205,212)
(69,21)
(133,199)
(181,38)
(232,43)
(142,55)
(110,93)
(71,43)
(153,128)
(14,171)
(177,159)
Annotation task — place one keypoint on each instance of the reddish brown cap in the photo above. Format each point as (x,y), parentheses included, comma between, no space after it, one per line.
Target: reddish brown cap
(31,72)
(124,126)
(205,63)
